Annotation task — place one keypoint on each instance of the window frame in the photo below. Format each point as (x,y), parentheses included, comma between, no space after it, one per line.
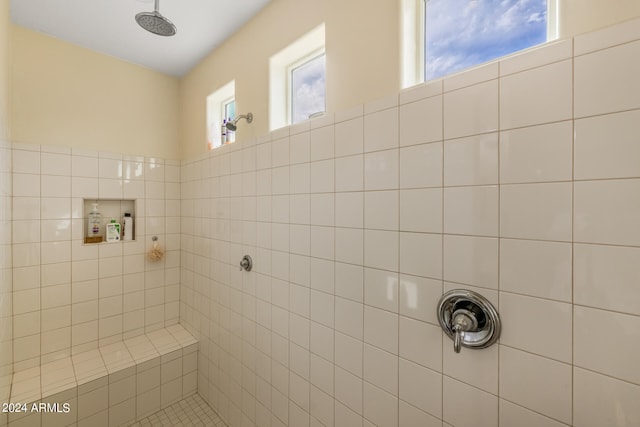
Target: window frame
(289,86)
(413,37)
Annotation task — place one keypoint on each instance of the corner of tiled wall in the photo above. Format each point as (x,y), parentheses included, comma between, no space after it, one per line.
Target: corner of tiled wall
(6,286)
(71,297)
(518,179)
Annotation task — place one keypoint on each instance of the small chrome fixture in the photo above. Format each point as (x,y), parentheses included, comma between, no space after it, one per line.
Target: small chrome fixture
(232,125)
(155,23)
(246,263)
(469,319)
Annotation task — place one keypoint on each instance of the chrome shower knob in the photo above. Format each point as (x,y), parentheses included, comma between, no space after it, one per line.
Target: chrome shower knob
(246,263)
(469,319)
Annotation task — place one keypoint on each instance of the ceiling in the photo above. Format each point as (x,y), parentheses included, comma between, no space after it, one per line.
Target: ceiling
(109,27)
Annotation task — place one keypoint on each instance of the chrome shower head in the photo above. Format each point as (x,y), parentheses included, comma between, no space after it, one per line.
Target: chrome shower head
(155,23)
(233,125)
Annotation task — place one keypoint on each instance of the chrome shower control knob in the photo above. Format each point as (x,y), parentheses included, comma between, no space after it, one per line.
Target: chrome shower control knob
(469,319)
(246,263)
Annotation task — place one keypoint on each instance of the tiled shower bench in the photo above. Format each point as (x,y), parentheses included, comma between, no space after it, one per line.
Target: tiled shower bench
(113,385)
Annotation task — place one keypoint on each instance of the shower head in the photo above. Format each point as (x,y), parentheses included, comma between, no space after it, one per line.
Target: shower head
(155,23)
(232,126)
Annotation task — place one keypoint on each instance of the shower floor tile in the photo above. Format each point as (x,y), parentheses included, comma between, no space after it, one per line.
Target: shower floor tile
(192,411)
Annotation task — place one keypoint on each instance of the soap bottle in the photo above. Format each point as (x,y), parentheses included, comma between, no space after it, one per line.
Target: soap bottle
(113,231)
(223,132)
(94,221)
(127,227)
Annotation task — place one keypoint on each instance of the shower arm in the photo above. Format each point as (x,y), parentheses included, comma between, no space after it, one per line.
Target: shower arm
(248,117)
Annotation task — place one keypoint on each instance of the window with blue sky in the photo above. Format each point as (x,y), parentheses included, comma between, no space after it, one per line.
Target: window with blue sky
(308,89)
(462,33)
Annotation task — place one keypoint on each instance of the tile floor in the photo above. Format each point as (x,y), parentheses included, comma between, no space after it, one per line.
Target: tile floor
(192,411)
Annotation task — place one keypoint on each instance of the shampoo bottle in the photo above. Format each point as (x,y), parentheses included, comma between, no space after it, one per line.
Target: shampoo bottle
(94,221)
(127,232)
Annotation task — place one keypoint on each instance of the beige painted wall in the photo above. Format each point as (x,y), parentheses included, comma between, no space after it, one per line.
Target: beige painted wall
(68,95)
(4,69)
(581,16)
(362,42)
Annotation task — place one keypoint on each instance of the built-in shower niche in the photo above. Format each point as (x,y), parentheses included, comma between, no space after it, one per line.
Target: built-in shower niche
(109,209)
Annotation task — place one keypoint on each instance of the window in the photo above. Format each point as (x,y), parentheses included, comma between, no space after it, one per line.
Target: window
(221,106)
(297,80)
(441,37)
(307,88)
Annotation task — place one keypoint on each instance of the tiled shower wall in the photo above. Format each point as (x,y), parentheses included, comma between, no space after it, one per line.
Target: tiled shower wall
(6,324)
(519,180)
(69,297)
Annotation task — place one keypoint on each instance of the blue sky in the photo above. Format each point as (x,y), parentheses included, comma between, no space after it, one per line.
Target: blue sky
(308,84)
(463,33)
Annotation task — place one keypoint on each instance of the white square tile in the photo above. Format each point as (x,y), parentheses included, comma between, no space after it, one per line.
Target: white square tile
(481,409)
(387,378)
(55,164)
(300,178)
(421,210)
(511,414)
(600,400)
(536,211)
(349,353)
(421,121)
(536,154)
(471,211)
(421,91)
(421,165)
(421,387)
(381,289)
(349,210)
(548,382)
(421,254)
(601,80)
(523,104)
(471,111)
(323,242)
(548,335)
(606,277)
(410,415)
(471,76)
(381,249)
(322,176)
(348,391)
(479,369)
(471,260)
(539,269)
(419,297)
(421,343)
(604,212)
(471,161)
(349,281)
(322,308)
(380,407)
(618,343)
(321,143)
(280,152)
(349,173)
(25,161)
(605,146)
(280,180)
(349,137)
(381,130)
(350,245)
(381,170)
(299,148)
(381,329)
(26,185)
(349,317)
(300,209)
(537,56)
(322,209)
(381,210)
